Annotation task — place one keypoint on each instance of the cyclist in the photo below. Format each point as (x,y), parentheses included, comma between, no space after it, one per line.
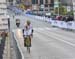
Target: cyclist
(28,31)
(17,22)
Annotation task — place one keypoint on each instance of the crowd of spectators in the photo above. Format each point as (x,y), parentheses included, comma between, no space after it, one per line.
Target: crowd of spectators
(63,18)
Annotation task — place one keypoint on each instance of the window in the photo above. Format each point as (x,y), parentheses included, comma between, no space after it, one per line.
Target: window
(52,3)
(46,9)
(40,9)
(46,1)
(10,0)
(36,1)
(41,1)
(46,5)
(18,1)
(33,1)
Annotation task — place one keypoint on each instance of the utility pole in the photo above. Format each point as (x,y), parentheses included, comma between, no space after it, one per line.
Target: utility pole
(73,2)
(56,5)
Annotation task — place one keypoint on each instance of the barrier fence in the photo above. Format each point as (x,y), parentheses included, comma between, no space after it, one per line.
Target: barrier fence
(61,24)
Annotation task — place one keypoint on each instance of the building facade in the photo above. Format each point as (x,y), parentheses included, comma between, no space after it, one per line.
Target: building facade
(45,5)
(39,5)
(3,15)
(27,3)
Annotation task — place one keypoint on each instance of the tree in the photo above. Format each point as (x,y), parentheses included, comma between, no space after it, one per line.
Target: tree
(62,10)
(70,13)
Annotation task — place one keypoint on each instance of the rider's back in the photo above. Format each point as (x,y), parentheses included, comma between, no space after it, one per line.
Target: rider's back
(27,31)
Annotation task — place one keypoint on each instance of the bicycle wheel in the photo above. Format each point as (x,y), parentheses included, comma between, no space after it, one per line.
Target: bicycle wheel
(28,49)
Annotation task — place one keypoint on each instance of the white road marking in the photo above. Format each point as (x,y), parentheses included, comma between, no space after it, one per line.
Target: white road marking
(45,28)
(60,38)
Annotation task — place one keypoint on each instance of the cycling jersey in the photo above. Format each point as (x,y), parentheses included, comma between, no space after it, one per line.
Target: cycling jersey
(27,31)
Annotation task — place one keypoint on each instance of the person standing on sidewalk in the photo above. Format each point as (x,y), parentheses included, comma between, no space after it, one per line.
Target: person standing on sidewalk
(4,34)
(9,23)
(17,22)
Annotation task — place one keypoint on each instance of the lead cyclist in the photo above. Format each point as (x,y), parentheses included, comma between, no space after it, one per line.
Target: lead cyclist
(27,32)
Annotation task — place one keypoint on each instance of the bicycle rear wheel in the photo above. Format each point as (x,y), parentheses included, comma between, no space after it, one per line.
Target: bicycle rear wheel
(28,49)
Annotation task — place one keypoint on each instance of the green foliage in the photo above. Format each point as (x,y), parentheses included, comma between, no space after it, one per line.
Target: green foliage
(70,13)
(62,10)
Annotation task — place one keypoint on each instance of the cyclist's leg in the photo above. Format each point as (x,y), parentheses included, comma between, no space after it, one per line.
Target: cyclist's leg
(24,42)
(30,41)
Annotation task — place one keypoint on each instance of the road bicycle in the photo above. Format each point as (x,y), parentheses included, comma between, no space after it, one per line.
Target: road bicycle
(27,42)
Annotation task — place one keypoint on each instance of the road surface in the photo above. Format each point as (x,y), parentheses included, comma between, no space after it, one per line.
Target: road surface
(48,42)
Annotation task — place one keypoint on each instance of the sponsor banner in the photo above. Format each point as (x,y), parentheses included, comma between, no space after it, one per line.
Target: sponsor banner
(62,24)
(71,25)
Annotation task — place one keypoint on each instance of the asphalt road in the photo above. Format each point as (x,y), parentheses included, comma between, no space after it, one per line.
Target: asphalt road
(48,42)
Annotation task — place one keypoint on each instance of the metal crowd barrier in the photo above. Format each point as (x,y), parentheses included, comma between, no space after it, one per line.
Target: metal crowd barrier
(61,24)
(19,54)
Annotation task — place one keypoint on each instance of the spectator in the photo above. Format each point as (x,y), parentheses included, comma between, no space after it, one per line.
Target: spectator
(64,18)
(4,34)
(70,18)
(9,23)
(58,17)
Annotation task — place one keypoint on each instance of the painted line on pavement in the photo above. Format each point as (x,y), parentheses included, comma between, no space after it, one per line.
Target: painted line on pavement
(60,39)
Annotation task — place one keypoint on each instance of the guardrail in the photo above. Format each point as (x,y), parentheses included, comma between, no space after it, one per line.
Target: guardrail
(18,50)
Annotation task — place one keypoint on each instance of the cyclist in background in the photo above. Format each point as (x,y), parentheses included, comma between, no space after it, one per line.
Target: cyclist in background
(17,22)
